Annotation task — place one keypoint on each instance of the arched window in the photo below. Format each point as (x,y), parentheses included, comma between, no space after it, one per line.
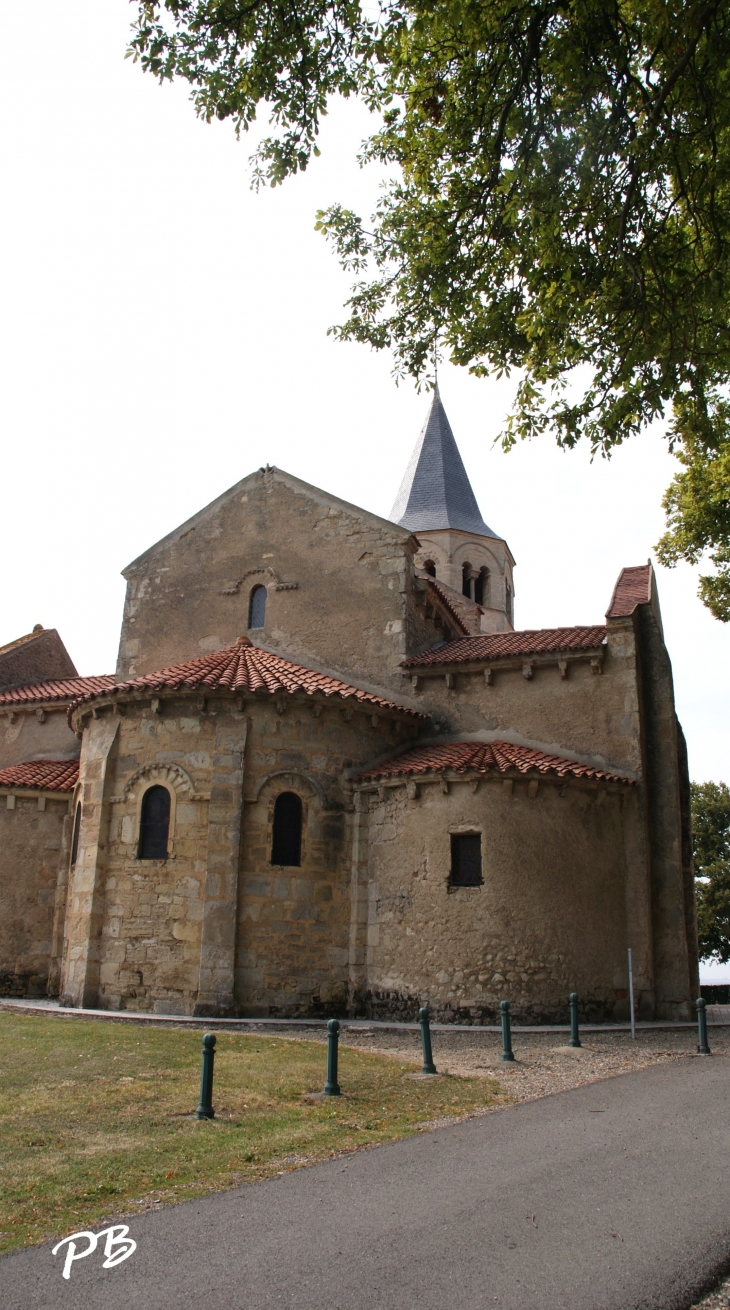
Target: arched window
(430,568)
(286,847)
(508,599)
(75,838)
(257,608)
(467,581)
(481,587)
(155,824)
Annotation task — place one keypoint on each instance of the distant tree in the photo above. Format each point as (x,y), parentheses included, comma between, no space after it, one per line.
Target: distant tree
(711,848)
(560,200)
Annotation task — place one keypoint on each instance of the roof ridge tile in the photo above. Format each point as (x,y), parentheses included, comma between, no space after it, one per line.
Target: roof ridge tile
(42,775)
(484,757)
(497,645)
(55,689)
(244,667)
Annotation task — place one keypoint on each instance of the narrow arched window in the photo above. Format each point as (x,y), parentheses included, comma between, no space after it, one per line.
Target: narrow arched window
(75,838)
(155,824)
(481,587)
(430,568)
(508,599)
(257,608)
(467,581)
(286,846)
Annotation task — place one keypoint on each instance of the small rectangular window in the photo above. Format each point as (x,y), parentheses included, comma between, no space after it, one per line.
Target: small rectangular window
(466,859)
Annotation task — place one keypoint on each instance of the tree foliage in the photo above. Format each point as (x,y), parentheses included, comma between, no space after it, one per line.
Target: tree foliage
(711,849)
(560,199)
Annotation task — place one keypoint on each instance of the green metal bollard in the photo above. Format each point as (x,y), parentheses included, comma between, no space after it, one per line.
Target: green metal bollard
(332,1087)
(428,1064)
(205,1109)
(507,1052)
(703,1046)
(574,1033)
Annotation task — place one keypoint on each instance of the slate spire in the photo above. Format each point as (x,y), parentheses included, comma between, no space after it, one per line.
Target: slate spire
(436,492)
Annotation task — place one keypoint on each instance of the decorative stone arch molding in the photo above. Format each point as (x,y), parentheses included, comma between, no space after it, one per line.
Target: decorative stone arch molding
(291,780)
(172,776)
(265,574)
(478,554)
(307,788)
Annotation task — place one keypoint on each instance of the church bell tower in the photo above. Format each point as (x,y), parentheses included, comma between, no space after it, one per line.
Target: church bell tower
(437,504)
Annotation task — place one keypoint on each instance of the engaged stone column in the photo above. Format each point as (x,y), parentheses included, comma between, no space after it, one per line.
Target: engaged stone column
(80,985)
(220,908)
(358,903)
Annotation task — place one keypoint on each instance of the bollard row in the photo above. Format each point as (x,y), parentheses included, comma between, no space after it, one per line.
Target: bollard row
(332,1087)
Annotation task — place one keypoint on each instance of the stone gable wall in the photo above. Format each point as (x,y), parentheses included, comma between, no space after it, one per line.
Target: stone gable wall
(347,610)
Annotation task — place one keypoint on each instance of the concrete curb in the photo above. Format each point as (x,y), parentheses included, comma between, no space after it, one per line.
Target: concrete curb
(22,1006)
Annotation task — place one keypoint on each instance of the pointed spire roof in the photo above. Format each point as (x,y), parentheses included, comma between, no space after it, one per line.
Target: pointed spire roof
(436,492)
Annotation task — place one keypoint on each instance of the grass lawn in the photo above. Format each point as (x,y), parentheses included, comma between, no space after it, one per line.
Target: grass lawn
(95,1118)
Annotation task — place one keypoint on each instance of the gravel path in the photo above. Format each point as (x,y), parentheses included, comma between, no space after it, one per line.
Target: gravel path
(543,1065)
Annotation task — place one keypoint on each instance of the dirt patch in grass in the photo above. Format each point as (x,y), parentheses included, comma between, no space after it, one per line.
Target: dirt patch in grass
(96,1119)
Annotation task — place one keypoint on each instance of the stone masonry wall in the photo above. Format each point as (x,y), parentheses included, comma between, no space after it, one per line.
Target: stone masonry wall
(294,923)
(214,928)
(31,842)
(593,716)
(550,918)
(36,734)
(153,909)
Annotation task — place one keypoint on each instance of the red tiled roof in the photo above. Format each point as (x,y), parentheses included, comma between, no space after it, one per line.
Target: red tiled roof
(244,667)
(42,775)
(480,757)
(65,689)
(495,645)
(633,588)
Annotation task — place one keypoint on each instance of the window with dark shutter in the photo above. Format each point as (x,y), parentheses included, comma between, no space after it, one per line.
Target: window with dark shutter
(155,825)
(286,847)
(257,608)
(466,859)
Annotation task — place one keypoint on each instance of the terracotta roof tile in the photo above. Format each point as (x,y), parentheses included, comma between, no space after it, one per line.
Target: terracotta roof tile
(242,668)
(465,611)
(450,599)
(480,757)
(633,588)
(66,689)
(42,775)
(495,645)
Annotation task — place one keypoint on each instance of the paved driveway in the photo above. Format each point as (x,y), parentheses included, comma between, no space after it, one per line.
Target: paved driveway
(611,1197)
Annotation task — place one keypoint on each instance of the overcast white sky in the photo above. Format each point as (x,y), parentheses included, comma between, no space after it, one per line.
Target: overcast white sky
(164,334)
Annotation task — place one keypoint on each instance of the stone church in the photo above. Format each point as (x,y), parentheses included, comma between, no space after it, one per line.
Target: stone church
(329,776)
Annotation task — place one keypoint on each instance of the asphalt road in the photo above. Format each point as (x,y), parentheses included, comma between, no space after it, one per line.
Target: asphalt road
(615,1196)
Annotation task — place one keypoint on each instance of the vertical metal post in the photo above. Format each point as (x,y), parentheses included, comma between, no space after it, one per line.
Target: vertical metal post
(507,1052)
(332,1087)
(631,998)
(702,1045)
(574,1030)
(428,1064)
(205,1109)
